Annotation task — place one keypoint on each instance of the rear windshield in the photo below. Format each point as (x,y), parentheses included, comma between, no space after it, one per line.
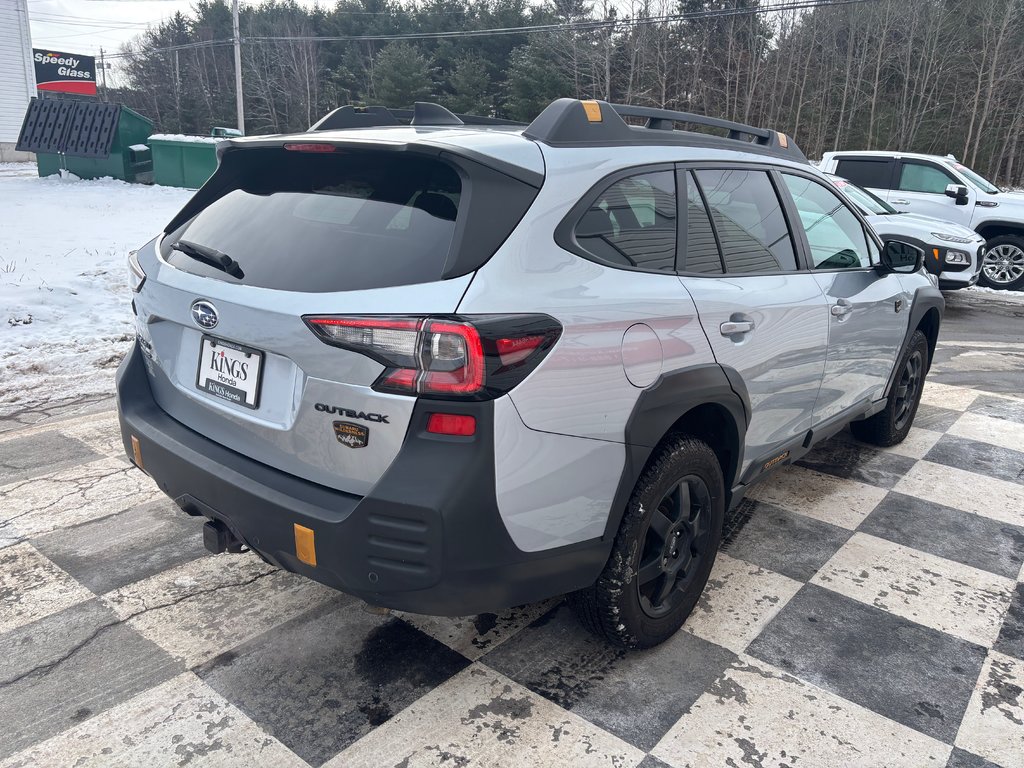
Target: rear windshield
(337,221)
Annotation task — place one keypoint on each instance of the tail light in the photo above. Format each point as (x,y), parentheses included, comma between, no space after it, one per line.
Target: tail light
(447,357)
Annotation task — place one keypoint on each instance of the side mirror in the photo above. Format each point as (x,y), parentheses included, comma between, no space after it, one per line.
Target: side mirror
(958,192)
(901,257)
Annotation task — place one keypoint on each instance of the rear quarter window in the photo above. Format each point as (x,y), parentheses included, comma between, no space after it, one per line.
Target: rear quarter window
(632,223)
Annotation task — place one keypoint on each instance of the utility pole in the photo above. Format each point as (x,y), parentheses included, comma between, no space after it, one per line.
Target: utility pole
(239,108)
(103,74)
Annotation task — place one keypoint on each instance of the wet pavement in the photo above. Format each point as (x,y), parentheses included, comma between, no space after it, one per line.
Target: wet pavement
(867,609)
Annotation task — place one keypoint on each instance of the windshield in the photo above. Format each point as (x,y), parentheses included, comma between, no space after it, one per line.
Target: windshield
(867,202)
(980,182)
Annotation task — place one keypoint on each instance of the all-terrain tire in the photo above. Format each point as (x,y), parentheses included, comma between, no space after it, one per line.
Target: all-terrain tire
(613,607)
(892,424)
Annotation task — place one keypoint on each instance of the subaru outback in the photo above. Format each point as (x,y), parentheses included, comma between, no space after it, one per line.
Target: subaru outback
(452,366)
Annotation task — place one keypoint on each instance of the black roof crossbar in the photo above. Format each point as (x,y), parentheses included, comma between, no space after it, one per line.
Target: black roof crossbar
(422,113)
(571,122)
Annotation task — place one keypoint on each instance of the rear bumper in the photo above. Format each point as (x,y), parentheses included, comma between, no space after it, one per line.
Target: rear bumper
(427,539)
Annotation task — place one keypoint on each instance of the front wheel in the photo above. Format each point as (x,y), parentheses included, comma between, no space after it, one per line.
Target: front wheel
(1003,265)
(664,550)
(892,424)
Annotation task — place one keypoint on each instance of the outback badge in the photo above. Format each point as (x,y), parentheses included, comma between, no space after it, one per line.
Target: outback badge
(352,435)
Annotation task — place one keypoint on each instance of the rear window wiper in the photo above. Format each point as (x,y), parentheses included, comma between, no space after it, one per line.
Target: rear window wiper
(210,256)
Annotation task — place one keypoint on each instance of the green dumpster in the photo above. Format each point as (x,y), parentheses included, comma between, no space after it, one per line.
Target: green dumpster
(91,139)
(183,161)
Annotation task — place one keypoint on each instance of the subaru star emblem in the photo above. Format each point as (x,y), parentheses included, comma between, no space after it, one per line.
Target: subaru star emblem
(204,314)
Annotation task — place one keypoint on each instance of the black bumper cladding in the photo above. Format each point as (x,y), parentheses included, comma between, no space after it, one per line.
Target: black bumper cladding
(427,539)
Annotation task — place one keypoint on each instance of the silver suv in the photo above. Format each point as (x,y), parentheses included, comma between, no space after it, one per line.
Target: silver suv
(452,367)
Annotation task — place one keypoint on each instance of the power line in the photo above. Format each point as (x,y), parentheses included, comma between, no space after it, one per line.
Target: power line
(66,19)
(569,26)
(792,5)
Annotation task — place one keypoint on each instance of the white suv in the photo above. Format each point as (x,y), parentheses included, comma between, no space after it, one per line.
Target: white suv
(942,188)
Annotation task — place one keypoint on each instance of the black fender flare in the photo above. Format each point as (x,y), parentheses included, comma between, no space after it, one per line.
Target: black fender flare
(661,406)
(926,298)
(1016,228)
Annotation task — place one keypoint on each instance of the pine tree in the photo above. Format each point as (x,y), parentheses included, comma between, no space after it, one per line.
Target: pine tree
(470,87)
(401,76)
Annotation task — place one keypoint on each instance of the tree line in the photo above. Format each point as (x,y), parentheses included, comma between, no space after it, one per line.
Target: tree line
(937,76)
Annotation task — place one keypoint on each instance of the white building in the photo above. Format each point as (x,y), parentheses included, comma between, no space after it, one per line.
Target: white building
(17,77)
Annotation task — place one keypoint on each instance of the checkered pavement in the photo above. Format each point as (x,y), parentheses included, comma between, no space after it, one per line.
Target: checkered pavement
(867,610)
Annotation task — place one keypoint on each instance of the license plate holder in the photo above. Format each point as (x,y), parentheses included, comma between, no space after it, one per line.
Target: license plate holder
(230,371)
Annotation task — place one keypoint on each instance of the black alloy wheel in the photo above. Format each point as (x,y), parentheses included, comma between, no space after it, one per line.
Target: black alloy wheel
(907,388)
(674,545)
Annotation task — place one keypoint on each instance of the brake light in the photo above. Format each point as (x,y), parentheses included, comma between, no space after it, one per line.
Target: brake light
(474,358)
(456,424)
(294,147)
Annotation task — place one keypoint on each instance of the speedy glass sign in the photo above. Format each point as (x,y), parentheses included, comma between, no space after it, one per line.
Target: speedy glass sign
(64,72)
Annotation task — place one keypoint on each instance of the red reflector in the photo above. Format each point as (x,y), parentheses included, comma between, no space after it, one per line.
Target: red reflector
(310,147)
(512,351)
(451,424)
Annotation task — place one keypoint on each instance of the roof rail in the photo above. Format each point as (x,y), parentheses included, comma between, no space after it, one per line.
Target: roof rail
(571,122)
(422,113)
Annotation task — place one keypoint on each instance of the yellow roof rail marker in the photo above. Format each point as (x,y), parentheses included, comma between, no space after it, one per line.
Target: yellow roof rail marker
(305,548)
(593,110)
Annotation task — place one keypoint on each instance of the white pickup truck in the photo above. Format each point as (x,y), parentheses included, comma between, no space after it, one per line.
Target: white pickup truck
(941,187)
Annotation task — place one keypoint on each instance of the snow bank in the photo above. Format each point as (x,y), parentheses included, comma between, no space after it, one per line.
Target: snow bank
(995,291)
(65,317)
(183,137)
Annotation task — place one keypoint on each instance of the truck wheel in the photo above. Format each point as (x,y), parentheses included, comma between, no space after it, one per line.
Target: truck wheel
(664,549)
(892,425)
(1003,266)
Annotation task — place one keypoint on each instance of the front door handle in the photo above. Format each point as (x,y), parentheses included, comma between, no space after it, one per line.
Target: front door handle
(734,327)
(841,308)
(900,202)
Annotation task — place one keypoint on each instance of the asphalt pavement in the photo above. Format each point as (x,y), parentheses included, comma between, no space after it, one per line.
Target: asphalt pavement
(981,344)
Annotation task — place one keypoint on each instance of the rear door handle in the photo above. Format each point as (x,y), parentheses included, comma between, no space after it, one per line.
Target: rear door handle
(899,202)
(734,327)
(841,308)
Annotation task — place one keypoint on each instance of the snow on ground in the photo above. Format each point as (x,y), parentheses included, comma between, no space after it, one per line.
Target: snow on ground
(995,291)
(65,317)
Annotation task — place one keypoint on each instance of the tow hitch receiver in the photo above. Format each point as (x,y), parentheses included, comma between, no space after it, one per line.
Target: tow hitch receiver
(218,538)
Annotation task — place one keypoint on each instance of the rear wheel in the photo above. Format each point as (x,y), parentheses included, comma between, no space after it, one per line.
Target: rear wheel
(892,425)
(663,552)
(1003,266)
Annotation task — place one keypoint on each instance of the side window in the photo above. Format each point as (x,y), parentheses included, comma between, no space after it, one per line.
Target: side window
(866,172)
(749,220)
(836,237)
(701,252)
(923,177)
(633,223)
